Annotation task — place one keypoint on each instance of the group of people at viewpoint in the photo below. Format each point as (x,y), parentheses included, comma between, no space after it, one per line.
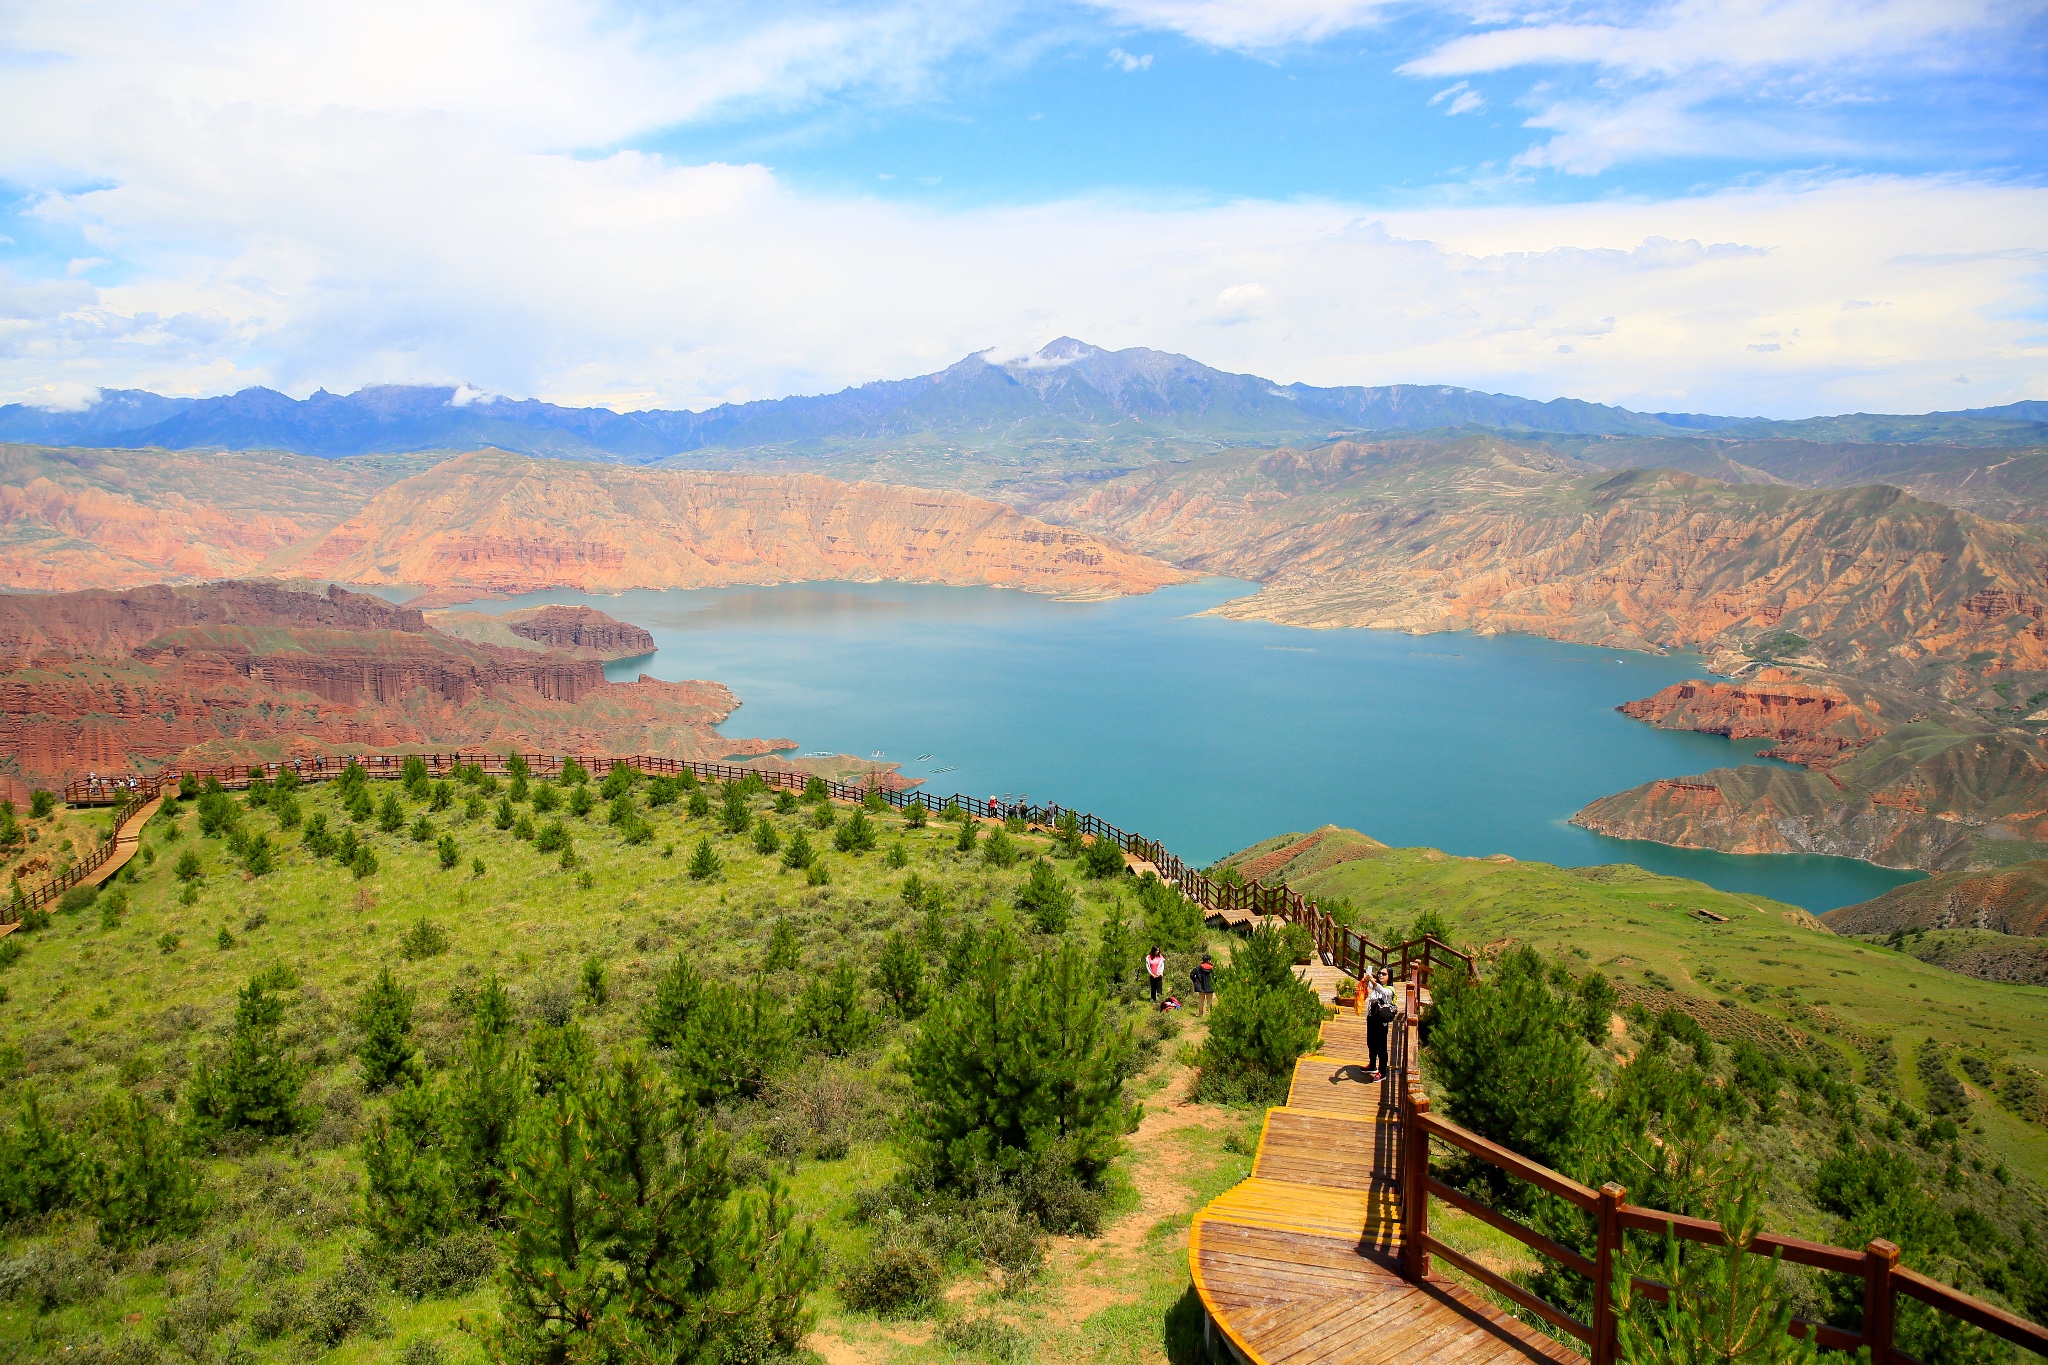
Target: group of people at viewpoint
(1378,1001)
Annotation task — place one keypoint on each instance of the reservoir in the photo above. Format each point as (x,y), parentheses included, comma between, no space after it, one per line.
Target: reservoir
(1205,733)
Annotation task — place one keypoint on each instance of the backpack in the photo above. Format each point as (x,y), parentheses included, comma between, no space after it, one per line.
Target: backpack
(1381,1011)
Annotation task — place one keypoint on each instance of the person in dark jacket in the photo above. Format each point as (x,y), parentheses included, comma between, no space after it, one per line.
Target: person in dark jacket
(1379,1013)
(1204,979)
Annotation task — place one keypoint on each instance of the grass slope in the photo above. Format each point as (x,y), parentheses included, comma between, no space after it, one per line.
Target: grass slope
(97,1007)
(1767,969)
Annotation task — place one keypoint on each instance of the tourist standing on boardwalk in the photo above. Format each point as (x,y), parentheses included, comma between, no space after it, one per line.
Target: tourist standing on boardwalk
(1379,1013)
(1204,978)
(1155,967)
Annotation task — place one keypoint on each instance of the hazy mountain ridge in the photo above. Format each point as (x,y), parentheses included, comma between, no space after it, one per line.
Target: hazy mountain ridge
(1067,390)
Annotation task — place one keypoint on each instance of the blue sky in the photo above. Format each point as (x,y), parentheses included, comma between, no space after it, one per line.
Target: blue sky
(1086,104)
(1761,206)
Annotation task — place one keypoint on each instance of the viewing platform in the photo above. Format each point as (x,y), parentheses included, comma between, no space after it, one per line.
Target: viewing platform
(1300,1263)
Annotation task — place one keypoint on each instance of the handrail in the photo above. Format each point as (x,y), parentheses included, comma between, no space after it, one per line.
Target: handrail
(1877,1264)
(1342,947)
(26,900)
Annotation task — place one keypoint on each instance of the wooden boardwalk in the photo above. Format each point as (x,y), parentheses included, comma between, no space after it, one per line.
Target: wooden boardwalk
(1298,1264)
(126,840)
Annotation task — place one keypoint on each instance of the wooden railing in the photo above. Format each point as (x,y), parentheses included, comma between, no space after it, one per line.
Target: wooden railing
(1877,1264)
(23,900)
(1343,947)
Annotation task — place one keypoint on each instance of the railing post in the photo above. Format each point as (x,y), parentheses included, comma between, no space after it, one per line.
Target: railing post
(1414,1189)
(1880,1258)
(1605,1345)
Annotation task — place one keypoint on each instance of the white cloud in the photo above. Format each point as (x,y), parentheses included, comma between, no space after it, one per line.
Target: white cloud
(1247,25)
(280,226)
(1692,77)
(1470,102)
(1127,61)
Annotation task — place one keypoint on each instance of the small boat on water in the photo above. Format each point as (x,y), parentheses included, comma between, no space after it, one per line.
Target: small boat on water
(924,758)
(948,768)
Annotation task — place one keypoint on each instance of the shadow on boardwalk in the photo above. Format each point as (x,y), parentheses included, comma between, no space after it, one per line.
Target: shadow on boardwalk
(1298,1265)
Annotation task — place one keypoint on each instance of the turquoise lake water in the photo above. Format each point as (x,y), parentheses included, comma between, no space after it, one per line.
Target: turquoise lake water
(1205,733)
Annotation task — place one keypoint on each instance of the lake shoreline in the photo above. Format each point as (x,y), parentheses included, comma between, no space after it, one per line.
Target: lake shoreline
(1208,733)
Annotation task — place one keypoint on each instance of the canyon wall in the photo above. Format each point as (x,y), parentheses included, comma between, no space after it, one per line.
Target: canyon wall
(490,523)
(102,622)
(242,672)
(1491,536)
(73,519)
(579,629)
(1891,778)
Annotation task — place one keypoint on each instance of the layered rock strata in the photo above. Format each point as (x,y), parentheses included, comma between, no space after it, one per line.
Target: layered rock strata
(1487,535)
(1892,779)
(581,632)
(490,523)
(242,672)
(72,519)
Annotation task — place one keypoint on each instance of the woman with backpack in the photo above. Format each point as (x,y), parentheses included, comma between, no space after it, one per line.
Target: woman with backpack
(1379,1015)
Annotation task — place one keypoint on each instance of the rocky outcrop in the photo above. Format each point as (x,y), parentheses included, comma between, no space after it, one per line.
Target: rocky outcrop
(1815,725)
(574,630)
(101,622)
(580,632)
(1488,535)
(490,523)
(246,672)
(1894,780)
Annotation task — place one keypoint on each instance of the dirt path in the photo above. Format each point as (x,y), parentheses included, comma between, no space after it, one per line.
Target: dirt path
(1083,1275)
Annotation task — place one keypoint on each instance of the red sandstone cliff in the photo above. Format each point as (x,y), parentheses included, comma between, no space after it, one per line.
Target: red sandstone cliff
(239,672)
(1892,778)
(72,519)
(1487,535)
(491,523)
(1815,725)
(574,630)
(98,621)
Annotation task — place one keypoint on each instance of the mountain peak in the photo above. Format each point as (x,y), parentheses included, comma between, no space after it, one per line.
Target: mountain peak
(1067,348)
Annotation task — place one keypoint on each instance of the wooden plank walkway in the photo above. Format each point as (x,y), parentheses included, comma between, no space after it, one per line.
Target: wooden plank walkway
(1297,1265)
(126,840)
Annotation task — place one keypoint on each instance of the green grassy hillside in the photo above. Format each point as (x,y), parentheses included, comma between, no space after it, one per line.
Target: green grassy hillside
(127,996)
(1764,968)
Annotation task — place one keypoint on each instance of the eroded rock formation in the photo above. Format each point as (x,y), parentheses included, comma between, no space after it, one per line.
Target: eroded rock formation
(1892,778)
(72,519)
(238,672)
(574,630)
(1492,536)
(490,523)
(1814,724)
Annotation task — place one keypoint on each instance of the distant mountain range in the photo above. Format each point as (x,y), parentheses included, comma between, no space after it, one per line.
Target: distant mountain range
(1142,402)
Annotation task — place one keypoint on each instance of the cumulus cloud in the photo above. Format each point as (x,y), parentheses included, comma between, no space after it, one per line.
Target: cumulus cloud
(1129,61)
(472,216)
